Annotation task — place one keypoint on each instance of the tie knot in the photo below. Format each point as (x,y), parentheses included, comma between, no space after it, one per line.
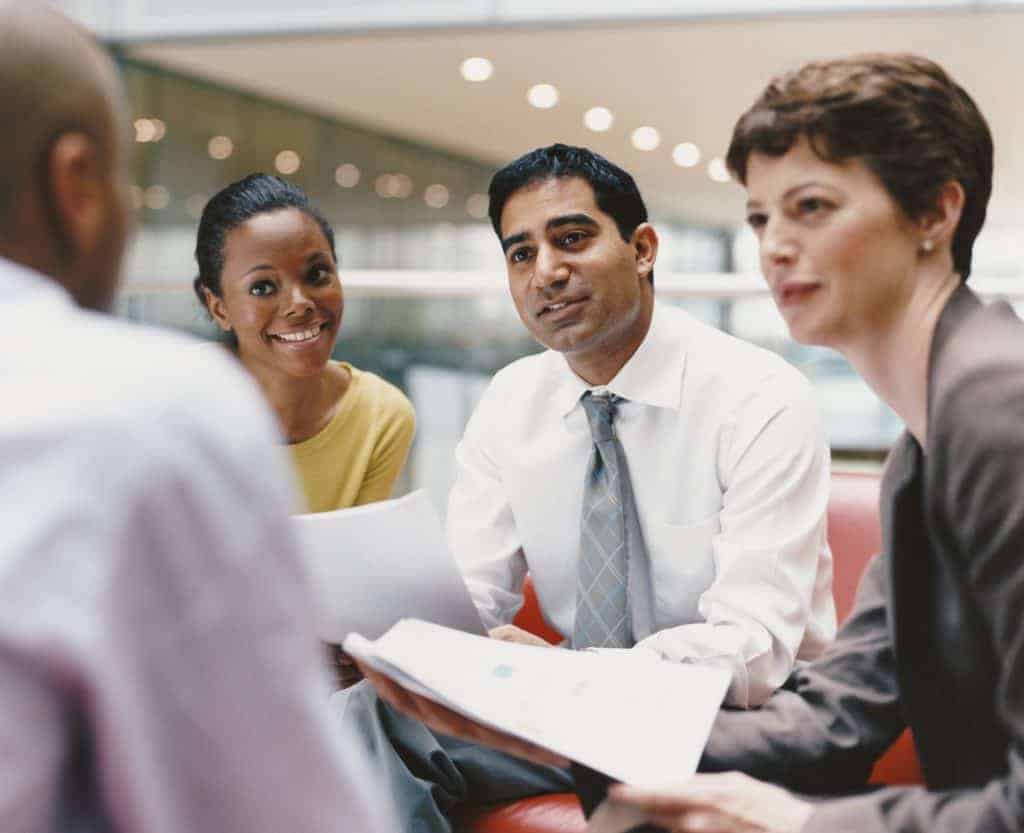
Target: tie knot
(600,409)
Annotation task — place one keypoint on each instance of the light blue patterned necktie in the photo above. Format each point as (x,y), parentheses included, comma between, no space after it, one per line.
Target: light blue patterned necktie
(602,574)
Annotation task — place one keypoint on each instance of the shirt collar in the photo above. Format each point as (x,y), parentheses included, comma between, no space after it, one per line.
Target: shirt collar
(652,376)
(19,281)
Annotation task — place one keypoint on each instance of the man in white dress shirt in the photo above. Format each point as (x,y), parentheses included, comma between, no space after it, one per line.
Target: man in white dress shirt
(724,449)
(157,671)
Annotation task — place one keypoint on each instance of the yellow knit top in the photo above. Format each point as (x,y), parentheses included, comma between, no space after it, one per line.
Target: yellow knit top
(359,454)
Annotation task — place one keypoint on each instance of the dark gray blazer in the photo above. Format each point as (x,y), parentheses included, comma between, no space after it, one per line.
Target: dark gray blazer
(936,638)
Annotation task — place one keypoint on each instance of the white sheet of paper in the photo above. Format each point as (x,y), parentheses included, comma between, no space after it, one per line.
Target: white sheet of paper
(375,564)
(631,715)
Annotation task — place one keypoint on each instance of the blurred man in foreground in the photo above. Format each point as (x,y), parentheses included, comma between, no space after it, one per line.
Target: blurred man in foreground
(156,671)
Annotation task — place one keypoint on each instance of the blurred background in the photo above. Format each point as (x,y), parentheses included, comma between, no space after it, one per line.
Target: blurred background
(393,114)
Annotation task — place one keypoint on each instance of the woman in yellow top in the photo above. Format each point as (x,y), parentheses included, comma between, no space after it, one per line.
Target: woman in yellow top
(268,276)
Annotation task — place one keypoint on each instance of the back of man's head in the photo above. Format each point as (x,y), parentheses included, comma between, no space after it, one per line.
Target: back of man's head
(62,196)
(615,192)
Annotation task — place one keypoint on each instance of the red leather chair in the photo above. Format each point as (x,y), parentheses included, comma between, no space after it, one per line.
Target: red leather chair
(854,535)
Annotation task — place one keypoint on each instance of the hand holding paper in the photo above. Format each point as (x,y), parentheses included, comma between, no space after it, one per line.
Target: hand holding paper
(632,716)
(444,721)
(513,633)
(727,802)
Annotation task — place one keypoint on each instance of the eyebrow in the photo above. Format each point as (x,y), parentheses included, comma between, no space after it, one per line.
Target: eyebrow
(313,258)
(790,191)
(259,268)
(578,218)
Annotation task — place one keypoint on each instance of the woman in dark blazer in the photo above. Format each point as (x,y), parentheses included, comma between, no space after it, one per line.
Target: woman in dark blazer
(868,180)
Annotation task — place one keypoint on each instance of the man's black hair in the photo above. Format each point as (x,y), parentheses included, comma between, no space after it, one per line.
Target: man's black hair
(615,192)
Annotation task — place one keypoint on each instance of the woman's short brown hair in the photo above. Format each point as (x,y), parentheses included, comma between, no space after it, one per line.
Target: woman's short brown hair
(902,115)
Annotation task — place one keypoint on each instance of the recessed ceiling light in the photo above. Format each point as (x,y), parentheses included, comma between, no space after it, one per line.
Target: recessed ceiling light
(149,130)
(347,175)
(436,196)
(287,162)
(645,138)
(393,186)
(143,130)
(194,205)
(476,69)
(717,170)
(686,154)
(401,186)
(598,119)
(220,147)
(542,96)
(477,206)
(157,197)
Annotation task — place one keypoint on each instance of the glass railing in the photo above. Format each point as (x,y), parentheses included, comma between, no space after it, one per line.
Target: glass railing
(440,335)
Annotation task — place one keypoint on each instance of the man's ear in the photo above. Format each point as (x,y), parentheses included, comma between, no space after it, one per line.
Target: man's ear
(219,312)
(645,246)
(78,192)
(938,225)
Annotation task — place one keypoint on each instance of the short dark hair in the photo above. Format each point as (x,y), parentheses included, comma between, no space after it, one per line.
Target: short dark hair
(232,206)
(901,114)
(615,192)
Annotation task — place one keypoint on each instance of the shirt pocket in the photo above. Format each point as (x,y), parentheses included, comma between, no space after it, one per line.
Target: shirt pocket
(682,565)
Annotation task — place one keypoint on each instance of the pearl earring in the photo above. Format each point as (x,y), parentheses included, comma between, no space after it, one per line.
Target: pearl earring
(927,245)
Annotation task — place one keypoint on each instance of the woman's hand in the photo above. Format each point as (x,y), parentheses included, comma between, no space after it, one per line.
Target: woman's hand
(723,803)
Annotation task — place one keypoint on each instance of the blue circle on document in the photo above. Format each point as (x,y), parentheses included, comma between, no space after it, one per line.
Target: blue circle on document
(504,671)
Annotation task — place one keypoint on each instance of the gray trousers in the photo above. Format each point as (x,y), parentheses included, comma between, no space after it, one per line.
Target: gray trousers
(429,776)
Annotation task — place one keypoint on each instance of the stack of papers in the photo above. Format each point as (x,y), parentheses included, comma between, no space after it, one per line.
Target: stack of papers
(631,715)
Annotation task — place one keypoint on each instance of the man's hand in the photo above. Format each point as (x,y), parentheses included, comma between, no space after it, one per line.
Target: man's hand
(446,722)
(342,667)
(725,803)
(512,633)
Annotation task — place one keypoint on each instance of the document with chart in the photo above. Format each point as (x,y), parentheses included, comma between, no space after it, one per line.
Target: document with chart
(631,715)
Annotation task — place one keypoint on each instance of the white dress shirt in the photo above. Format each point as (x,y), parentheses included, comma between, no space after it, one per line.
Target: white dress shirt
(730,470)
(158,672)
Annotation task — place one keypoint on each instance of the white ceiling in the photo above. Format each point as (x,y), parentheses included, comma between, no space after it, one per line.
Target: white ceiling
(689,80)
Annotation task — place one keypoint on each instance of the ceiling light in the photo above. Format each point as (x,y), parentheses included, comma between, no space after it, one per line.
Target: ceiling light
(436,196)
(347,175)
(542,96)
(476,69)
(156,197)
(717,170)
(686,155)
(401,186)
(220,147)
(159,129)
(477,205)
(598,119)
(393,186)
(145,130)
(645,138)
(194,205)
(287,162)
